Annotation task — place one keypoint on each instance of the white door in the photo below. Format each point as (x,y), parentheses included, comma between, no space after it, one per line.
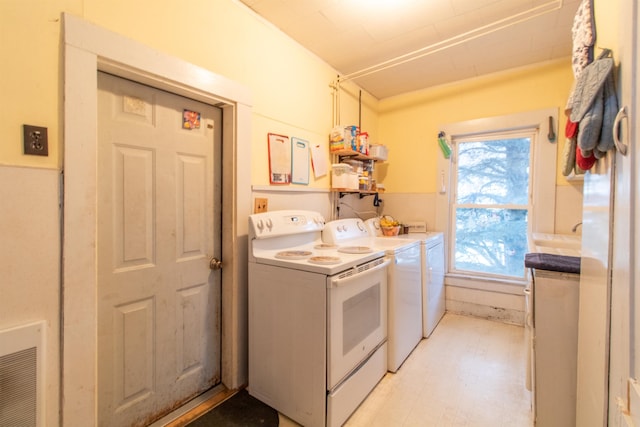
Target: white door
(158,228)
(625,334)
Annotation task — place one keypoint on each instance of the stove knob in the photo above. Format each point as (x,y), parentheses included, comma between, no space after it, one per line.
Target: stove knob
(269,224)
(260,225)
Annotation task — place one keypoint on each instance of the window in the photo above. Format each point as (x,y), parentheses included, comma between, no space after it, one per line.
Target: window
(492,203)
(497,186)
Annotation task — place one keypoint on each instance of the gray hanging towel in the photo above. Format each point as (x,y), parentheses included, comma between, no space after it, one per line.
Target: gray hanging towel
(610,100)
(595,106)
(588,86)
(591,125)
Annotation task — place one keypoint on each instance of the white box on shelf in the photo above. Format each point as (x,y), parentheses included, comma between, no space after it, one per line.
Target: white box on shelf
(343,177)
(379,152)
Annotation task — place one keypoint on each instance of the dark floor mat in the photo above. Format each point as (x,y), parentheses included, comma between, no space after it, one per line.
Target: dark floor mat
(241,410)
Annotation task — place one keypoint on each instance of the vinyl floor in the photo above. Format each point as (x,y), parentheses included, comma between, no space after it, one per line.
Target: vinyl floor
(470,372)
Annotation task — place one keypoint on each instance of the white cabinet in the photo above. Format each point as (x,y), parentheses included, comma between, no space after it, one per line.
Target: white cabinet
(555,343)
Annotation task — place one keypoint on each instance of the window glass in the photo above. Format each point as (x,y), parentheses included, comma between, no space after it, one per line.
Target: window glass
(491,209)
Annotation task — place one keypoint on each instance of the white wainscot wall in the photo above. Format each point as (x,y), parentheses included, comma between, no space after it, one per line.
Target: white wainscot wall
(404,207)
(507,307)
(30,267)
(294,197)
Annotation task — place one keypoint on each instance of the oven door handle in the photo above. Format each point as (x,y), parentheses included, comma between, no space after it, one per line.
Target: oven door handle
(345,281)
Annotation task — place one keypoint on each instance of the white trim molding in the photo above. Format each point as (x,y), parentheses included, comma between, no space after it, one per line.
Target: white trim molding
(87,50)
(544,165)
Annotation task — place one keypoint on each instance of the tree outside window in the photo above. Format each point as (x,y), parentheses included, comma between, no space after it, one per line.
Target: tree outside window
(492,204)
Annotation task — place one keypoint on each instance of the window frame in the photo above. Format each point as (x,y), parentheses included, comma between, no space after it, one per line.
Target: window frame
(525,133)
(543,183)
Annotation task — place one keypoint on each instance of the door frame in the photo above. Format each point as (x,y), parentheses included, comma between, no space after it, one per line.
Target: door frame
(87,50)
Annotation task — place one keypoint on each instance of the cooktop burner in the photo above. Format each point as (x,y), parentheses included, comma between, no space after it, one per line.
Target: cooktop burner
(325,259)
(293,254)
(323,246)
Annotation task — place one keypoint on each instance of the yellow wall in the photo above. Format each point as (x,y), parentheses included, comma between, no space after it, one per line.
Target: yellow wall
(289,85)
(607,16)
(409,123)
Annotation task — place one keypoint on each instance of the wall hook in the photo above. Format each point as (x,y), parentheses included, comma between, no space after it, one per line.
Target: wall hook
(551,135)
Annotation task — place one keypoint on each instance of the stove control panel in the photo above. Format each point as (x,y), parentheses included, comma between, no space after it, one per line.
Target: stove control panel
(341,230)
(285,222)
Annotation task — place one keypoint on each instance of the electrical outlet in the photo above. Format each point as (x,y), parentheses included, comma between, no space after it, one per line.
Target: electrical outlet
(260,205)
(35,140)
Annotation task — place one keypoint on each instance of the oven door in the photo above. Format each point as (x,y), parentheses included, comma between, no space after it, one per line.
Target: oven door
(356,317)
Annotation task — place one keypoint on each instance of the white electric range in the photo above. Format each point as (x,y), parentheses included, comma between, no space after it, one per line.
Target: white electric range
(317,318)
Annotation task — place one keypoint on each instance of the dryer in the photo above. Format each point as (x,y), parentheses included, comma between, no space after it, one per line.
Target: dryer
(433,294)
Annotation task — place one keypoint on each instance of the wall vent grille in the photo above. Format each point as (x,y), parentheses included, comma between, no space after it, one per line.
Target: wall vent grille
(21,376)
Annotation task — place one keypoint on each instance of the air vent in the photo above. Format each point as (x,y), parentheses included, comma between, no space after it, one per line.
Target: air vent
(21,376)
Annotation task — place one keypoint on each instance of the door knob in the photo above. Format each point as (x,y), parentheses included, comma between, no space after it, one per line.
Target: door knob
(215,264)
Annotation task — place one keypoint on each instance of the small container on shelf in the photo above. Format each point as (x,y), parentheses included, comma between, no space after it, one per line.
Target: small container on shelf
(379,152)
(343,138)
(357,165)
(363,183)
(343,177)
(363,143)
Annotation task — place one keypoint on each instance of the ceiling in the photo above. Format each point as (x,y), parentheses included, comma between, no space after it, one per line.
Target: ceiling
(441,40)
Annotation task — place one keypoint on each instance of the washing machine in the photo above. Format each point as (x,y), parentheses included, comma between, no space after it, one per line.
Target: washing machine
(432,272)
(404,281)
